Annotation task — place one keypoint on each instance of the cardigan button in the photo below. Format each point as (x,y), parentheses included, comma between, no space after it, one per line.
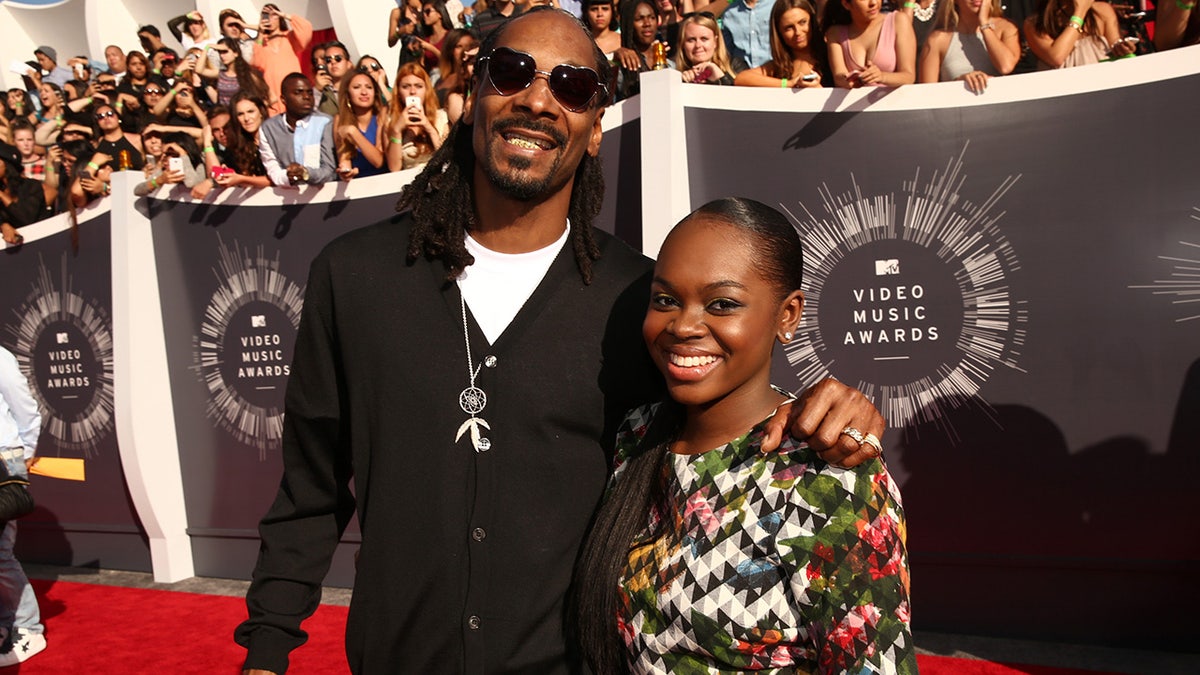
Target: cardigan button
(473,622)
(479,534)
(490,362)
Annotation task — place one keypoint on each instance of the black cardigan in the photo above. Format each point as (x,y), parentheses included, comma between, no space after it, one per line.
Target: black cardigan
(466,557)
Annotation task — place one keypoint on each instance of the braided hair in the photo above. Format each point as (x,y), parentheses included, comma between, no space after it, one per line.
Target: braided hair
(442,201)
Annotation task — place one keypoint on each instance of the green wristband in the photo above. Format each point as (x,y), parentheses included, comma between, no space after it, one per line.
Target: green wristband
(910,5)
(1185,6)
(783,83)
(1077,21)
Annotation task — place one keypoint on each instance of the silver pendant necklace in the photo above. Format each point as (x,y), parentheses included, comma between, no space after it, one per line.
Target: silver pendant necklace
(472,400)
(925,13)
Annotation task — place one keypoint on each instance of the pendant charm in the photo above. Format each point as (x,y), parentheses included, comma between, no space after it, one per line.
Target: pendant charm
(480,443)
(472,400)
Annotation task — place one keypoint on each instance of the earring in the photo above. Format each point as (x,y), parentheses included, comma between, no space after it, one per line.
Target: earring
(787,337)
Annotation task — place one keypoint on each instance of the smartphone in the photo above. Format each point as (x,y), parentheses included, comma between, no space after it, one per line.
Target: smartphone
(809,77)
(218,171)
(412,101)
(266,16)
(175,164)
(79,71)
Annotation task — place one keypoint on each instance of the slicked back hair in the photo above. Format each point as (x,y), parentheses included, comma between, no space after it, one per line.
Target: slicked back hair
(441,197)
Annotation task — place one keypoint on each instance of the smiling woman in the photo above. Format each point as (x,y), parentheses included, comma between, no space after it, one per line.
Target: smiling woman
(724,558)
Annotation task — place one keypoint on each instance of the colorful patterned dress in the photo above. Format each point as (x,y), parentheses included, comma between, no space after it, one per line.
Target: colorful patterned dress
(777,562)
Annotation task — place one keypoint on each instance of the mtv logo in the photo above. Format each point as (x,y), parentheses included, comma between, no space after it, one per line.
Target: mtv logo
(883,267)
(62,338)
(258,321)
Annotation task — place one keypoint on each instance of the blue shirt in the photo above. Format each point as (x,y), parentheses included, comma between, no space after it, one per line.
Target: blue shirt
(747,31)
(20,421)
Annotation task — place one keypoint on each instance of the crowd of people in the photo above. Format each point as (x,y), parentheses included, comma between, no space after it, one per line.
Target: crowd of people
(255,103)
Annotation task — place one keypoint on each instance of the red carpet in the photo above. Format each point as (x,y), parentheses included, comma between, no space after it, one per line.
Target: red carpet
(110,629)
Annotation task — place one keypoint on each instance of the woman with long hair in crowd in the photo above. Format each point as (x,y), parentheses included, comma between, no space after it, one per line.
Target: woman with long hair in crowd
(416,125)
(20,105)
(868,47)
(54,102)
(971,41)
(701,57)
(708,555)
(241,150)
(356,129)
(639,32)
(191,30)
(233,26)
(138,76)
(371,66)
(1069,33)
(798,50)
(234,73)
(435,25)
(456,100)
(190,170)
(598,16)
(450,62)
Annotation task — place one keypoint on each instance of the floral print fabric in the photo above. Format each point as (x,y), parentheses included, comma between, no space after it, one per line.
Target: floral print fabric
(777,562)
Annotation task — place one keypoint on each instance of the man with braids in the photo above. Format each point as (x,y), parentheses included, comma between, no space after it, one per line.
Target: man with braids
(466,367)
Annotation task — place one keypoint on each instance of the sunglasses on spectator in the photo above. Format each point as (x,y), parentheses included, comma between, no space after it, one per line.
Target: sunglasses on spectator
(104,84)
(153,92)
(336,58)
(106,114)
(574,87)
(222,52)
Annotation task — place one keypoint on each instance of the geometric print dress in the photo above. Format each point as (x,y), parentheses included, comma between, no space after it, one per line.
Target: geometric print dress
(779,563)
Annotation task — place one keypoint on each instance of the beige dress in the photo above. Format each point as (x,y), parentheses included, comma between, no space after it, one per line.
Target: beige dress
(1088,49)
(416,155)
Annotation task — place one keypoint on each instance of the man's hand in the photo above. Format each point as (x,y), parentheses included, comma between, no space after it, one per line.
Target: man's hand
(819,417)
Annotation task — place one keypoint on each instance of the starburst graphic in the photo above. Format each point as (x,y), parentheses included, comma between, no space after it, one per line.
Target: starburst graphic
(244,349)
(908,297)
(1183,284)
(63,343)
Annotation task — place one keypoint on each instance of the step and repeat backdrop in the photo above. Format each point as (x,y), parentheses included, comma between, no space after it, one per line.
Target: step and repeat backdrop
(56,312)
(1013,278)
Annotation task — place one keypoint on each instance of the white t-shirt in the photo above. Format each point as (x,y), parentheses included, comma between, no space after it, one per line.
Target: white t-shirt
(498,284)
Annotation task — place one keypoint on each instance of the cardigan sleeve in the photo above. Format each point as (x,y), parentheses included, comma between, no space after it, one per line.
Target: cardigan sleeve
(314,504)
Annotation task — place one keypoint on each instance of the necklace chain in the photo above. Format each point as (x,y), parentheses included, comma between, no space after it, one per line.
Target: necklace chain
(472,400)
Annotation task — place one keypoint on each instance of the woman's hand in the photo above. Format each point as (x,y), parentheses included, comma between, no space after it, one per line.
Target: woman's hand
(1082,7)
(703,72)
(91,184)
(867,76)
(1122,48)
(415,115)
(628,59)
(802,83)
(976,81)
(11,236)
(985,12)
(226,178)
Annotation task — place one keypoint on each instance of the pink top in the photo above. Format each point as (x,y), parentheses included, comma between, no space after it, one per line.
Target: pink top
(885,47)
